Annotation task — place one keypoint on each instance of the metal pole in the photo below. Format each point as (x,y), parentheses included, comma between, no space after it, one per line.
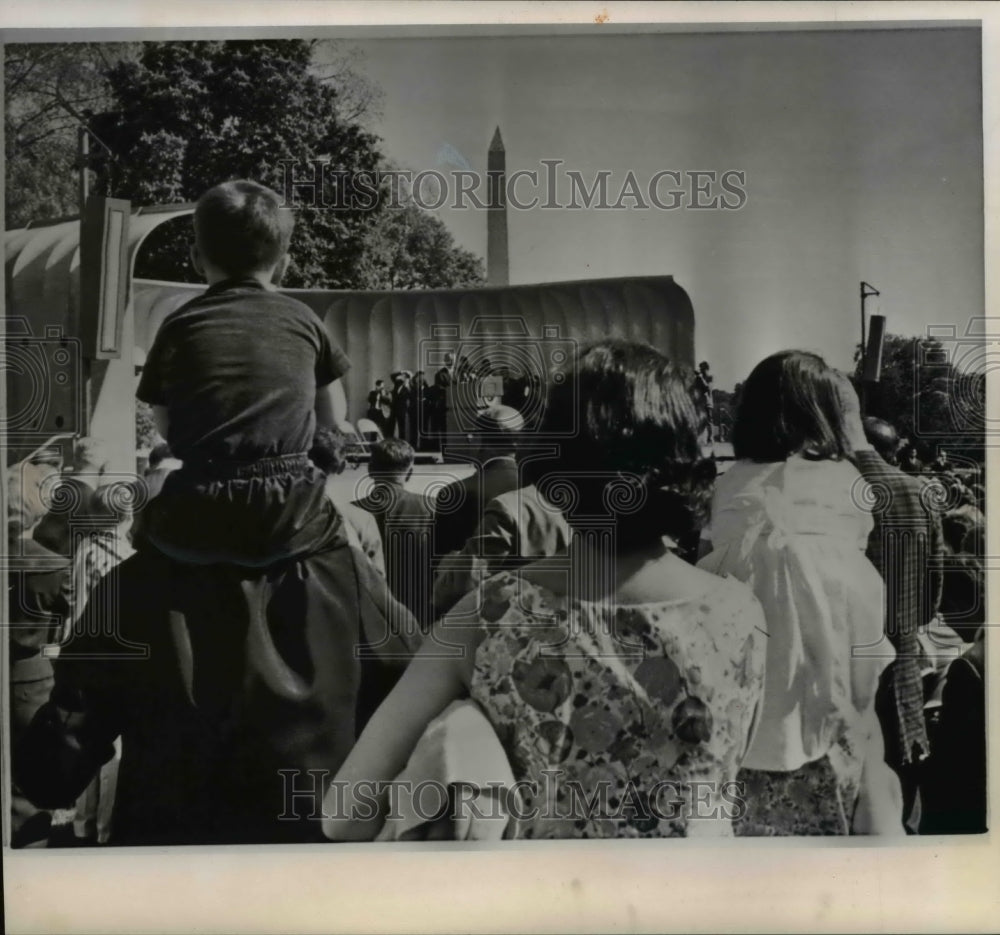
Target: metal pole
(83,152)
(863,297)
(864,351)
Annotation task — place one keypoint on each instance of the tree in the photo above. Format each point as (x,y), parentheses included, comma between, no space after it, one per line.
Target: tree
(175,118)
(934,398)
(409,248)
(146,435)
(188,115)
(49,91)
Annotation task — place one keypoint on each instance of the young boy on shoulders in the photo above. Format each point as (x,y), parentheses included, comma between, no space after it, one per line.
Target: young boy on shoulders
(239,380)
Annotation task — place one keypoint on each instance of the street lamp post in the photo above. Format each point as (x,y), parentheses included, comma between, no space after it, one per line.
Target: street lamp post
(867,290)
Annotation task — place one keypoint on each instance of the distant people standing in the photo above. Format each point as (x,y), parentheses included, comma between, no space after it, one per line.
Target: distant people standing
(941,464)
(703,391)
(418,410)
(380,406)
(439,394)
(402,413)
(909,460)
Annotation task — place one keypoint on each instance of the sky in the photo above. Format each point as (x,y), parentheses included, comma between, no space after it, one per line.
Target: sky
(862,154)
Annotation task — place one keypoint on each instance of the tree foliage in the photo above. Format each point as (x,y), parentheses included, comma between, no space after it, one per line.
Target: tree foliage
(49,91)
(933,393)
(189,115)
(175,118)
(409,248)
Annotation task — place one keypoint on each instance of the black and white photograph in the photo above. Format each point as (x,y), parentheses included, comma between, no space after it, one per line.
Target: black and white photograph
(462,436)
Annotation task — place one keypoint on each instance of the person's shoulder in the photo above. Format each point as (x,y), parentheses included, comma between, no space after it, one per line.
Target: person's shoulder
(184,312)
(731,606)
(873,467)
(826,478)
(358,516)
(730,591)
(414,502)
(294,305)
(744,473)
(453,495)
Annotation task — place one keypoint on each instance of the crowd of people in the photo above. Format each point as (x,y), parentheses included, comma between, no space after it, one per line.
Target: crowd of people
(416,410)
(623,640)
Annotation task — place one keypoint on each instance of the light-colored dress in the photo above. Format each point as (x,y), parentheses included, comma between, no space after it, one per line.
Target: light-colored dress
(621,720)
(796,532)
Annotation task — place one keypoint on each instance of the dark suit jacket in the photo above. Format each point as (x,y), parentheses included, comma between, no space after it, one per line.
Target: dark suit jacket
(454,526)
(405,522)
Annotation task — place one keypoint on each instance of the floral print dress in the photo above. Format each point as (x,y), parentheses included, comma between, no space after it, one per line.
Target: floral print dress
(621,720)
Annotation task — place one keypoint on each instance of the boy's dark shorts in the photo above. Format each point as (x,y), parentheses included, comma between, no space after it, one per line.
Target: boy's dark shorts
(244,513)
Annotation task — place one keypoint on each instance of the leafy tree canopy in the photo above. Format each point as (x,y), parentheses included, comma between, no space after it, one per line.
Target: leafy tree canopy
(933,393)
(171,119)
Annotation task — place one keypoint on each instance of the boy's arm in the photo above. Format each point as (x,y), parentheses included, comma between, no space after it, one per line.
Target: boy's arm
(161,420)
(331,406)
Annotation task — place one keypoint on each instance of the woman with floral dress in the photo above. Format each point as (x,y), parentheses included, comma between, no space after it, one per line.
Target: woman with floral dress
(622,682)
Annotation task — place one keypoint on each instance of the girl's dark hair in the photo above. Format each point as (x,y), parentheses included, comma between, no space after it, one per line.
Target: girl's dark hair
(790,404)
(633,453)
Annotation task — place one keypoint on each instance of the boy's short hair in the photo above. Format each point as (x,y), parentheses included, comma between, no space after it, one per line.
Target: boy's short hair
(242,228)
(391,456)
(327,451)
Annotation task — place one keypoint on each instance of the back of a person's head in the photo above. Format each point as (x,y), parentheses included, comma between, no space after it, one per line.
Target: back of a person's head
(391,456)
(241,228)
(90,455)
(958,531)
(327,451)
(633,422)
(112,504)
(791,404)
(51,456)
(882,437)
(24,503)
(496,430)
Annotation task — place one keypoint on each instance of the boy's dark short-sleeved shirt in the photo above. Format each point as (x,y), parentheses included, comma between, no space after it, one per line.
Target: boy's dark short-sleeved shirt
(237,369)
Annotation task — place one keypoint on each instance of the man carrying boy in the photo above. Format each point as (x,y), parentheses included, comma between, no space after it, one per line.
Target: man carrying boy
(235,669)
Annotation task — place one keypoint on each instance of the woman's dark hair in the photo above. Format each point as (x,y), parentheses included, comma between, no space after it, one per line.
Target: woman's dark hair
(790,404)
(630,444)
